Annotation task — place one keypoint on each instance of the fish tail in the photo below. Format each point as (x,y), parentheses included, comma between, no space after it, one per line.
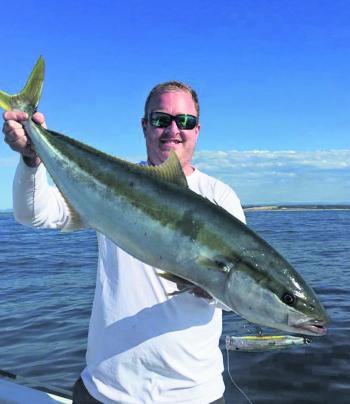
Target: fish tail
(28,99)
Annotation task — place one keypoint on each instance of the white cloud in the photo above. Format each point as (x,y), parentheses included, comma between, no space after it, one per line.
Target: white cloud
(263,176)
(281,176)
(330,159)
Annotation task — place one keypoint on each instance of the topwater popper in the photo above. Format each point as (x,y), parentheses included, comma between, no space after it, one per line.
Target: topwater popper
(148,210)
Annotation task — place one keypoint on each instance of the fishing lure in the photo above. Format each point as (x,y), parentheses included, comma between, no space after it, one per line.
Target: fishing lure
(261,343)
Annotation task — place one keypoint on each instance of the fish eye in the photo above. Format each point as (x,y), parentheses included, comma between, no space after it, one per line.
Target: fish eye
(288,299)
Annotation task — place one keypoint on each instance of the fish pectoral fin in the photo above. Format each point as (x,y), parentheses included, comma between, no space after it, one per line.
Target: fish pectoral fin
(183,290)
(169,171)
(219,263)
(182,284)
(173,278)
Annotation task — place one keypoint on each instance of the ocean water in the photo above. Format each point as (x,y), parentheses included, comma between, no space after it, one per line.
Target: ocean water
(47,285)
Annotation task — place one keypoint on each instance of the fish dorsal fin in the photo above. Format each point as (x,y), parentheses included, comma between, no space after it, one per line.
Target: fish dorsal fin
(170,171)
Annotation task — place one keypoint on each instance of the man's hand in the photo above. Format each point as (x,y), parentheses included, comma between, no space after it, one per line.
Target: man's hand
(17,138)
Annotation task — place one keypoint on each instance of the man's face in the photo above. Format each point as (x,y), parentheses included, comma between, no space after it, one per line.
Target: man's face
(160,141)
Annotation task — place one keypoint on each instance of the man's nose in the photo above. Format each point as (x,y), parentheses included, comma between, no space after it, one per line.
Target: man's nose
(172,128)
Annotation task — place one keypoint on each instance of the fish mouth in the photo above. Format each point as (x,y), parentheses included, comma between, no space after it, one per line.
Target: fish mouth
(316,328)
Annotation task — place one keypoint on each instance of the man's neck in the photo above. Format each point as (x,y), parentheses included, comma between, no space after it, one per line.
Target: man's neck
(188,170)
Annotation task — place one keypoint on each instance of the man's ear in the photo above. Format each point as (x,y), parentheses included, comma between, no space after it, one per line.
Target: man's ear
(144,126)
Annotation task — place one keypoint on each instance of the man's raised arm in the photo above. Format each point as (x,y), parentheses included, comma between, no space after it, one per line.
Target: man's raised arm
(35,202)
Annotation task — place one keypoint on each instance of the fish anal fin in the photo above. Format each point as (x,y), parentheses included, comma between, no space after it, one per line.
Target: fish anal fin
(75,222)
(182,284)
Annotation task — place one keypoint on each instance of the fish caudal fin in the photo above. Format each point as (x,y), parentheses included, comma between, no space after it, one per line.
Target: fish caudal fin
(5,101)
(28,99)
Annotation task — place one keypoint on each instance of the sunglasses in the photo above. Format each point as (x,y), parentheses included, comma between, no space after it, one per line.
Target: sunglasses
(163,120)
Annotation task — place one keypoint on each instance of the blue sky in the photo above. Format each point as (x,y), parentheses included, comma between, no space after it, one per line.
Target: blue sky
(272,77)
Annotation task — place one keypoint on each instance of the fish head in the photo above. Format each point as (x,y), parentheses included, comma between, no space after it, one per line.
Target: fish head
(268,291)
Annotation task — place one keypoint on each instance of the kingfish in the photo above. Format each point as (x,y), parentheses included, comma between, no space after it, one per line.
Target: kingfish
(152,214)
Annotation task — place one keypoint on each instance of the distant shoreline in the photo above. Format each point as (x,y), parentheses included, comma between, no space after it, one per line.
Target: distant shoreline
(276,207)
(296,207)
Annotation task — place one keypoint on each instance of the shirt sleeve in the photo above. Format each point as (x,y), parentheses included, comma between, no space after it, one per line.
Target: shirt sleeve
(35,202)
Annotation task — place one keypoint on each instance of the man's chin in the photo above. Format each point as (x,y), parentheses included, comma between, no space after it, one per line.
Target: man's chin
(162,156)
(166,153)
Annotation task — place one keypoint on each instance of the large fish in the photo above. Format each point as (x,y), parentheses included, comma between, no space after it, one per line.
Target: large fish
(152,214)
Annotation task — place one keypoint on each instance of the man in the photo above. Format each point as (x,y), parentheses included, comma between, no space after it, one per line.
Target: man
(144,346)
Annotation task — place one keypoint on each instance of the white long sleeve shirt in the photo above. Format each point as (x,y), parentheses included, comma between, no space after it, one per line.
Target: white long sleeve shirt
(144,346)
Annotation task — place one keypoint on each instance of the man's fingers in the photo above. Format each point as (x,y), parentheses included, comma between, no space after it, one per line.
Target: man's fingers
(12,137)
(13,130)
(39,118)
(22,146)
(10,126)
(19,116)
(16,138)
(15,135)
(15,115)
(20,141)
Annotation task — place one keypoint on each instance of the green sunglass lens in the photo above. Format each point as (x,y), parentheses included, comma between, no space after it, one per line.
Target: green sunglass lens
(160,120)
(186,121)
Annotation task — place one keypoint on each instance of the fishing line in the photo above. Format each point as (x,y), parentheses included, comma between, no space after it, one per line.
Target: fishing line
(233,382)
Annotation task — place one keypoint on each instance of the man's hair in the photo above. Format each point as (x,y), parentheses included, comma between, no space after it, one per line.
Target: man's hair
(170,86)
